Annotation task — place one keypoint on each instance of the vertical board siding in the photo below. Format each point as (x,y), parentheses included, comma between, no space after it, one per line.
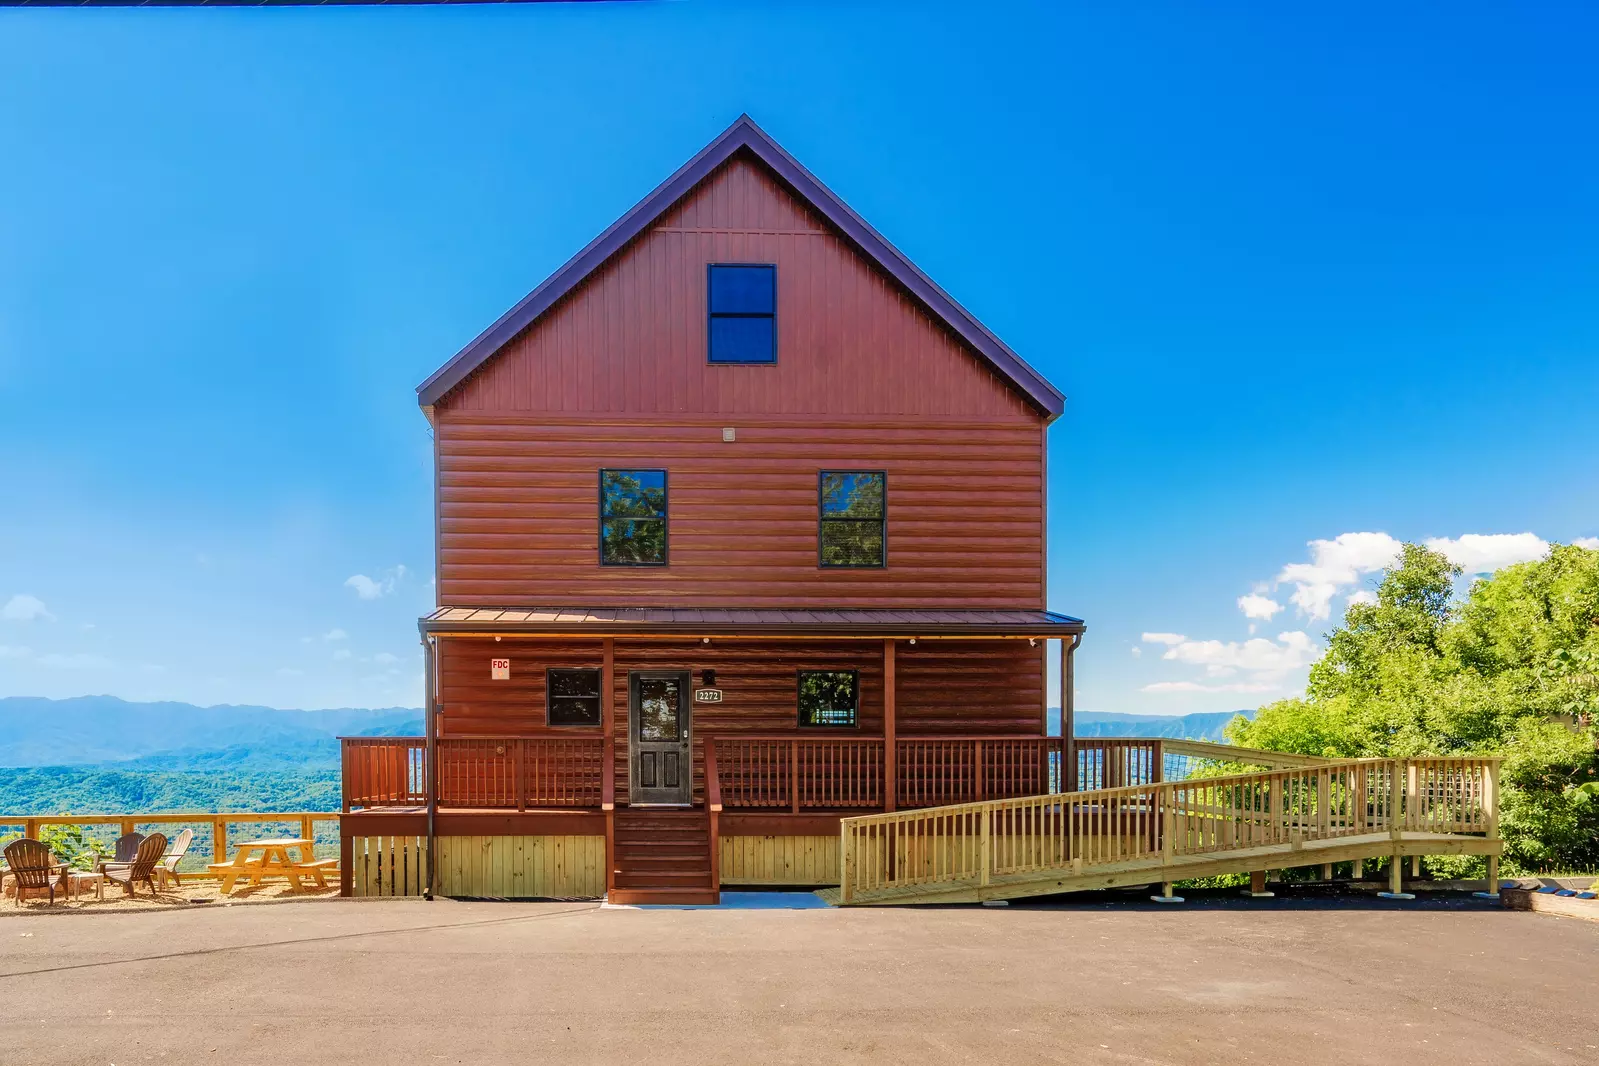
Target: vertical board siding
(780,860)
(388,865)
(522,867)
(632,338)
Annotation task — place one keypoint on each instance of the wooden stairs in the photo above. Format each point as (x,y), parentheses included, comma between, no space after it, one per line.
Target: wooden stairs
(662,855)
(1158,833)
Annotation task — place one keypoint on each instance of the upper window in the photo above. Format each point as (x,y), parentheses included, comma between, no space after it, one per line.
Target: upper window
(572,697)
(829,697)
(633,517)
(853,518)
(743,313)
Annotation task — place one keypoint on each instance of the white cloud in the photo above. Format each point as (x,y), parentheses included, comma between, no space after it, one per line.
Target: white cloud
(1257,606)
(342,653)
(385,658)
(1195,686)
(1334,564)
(1163,638)
(7,652)
(1362,596)
(1483,553)
(365,587)
(1264,660)
(372,589)
(25,608)
(335,634)
(1591,543)
(1136,650)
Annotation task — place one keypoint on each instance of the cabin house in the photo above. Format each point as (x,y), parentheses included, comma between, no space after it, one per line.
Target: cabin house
(740,530)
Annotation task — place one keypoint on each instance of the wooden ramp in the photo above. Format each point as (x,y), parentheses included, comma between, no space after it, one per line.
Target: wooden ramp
(1311,815)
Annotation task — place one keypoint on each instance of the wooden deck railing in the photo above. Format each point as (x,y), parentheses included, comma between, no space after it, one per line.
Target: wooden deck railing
(384,771)
(1155,823)
(778,772)
(520,772)
(799,773)
(938,770)
(513,773)
(210,829)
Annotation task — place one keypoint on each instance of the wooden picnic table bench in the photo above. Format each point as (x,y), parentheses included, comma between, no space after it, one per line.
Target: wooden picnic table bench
(273,861)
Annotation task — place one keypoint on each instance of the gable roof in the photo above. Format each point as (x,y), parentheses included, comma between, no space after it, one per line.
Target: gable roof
(745,136)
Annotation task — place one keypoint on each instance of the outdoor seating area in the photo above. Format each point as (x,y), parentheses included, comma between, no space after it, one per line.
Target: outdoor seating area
(147,868)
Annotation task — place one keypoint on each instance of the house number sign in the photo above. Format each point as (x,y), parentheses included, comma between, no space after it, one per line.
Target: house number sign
(707,695)
(499,669)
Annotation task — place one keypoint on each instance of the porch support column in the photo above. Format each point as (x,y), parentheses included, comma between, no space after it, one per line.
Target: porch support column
(608,756)
(890,762)
(1068,716)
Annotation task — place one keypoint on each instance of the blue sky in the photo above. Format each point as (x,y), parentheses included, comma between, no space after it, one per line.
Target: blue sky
(1302,274)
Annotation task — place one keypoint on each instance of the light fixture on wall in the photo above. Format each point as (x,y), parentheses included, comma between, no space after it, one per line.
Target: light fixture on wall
(708,678)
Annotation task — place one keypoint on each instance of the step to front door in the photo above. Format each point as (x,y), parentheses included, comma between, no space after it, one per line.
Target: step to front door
(662,856)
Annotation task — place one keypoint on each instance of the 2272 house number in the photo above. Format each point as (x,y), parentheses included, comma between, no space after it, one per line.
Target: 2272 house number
(707,695)
(499,669)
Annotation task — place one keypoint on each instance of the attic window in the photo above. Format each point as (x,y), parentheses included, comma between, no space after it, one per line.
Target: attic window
(742,299)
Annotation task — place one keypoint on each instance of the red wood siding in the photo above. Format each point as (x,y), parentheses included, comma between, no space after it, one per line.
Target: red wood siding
(945,687)
(518,513)
(632,339)
(957,687)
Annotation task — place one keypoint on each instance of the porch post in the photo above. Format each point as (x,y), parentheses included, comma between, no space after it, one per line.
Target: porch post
(890,762)
(608,757)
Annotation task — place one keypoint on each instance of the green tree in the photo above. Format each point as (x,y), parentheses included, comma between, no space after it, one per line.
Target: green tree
(1509,669)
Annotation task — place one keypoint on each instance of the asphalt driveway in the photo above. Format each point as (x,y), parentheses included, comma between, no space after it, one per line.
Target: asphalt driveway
(377,982)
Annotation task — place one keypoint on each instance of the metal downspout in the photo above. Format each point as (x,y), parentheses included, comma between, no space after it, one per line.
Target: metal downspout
(430,712)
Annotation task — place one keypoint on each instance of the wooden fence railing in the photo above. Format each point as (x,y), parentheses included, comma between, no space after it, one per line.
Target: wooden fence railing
(210,829)
(1155,823)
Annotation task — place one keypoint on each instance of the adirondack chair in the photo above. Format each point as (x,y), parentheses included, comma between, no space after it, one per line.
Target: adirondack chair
(126,847)
(33,867)
(151,849)
(175,851)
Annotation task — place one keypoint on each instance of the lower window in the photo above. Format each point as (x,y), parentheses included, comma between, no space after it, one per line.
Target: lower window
(572,697)
(829,697)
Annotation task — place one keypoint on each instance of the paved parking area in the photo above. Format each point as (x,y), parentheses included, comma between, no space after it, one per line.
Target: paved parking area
(377,982)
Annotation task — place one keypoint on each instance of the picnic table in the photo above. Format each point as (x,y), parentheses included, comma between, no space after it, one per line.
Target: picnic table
(273,861)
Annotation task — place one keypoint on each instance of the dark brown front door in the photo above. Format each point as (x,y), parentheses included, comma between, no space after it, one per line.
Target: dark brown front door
(660,747)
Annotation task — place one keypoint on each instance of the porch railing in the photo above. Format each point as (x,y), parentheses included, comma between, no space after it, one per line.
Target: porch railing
(511,773)
(798,773)
(776,772)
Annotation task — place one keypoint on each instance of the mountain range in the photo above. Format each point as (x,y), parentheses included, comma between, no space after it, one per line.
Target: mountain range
(180,737)
(99,730)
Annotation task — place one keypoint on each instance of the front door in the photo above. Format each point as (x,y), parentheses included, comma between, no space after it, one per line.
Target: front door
(660,748)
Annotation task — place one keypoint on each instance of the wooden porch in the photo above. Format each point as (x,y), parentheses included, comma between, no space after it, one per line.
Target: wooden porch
(753,795)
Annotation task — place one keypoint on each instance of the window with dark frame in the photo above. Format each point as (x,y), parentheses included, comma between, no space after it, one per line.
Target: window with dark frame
(572,697)
(829,697)
(852,519)
(633,517)
(741,303)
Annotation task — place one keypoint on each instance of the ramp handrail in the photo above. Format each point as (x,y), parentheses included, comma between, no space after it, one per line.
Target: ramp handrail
(973,843)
